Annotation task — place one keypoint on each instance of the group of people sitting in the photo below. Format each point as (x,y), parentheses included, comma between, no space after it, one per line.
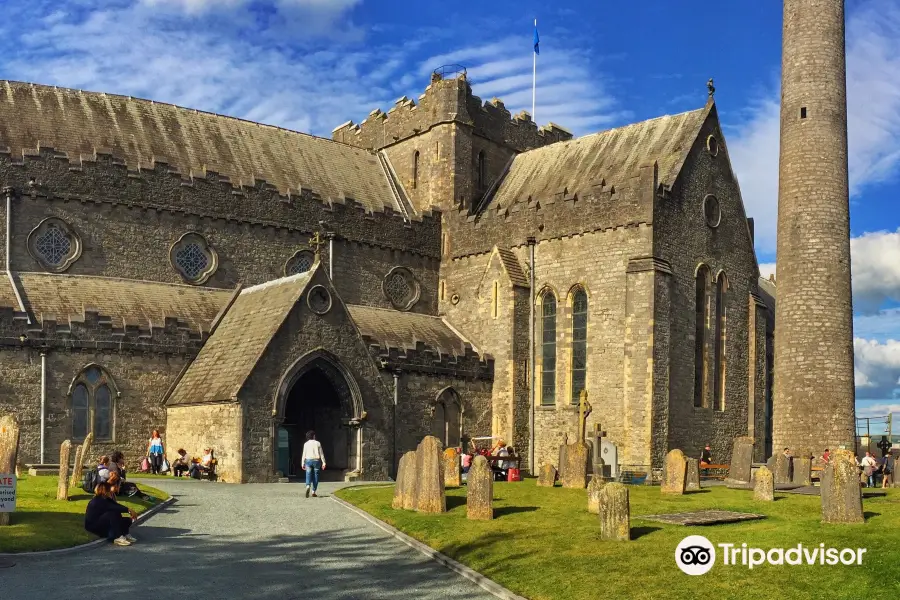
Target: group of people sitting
(192,466)
(499,466)
(104,515)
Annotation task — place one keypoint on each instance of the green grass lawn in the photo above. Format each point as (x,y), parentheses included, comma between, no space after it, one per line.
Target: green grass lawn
(543,544)
(41,522)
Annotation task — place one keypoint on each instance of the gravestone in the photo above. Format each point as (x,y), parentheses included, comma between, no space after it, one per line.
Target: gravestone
(76,472)
(573,472)
(452,472)
(782,468)
(397,502)
(480,490)
(547,477)
(409,482)
(594,488)
(802,471)
(615,513)
(430,477)
(764,489)
(9,449)
(86,449)
(62,489)
(674,473)
(692,478)
(841,494)
(741,461)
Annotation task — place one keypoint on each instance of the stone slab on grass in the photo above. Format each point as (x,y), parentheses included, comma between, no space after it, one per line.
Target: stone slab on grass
(702,517)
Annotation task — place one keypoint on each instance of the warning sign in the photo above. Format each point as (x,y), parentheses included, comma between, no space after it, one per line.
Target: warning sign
(7,492)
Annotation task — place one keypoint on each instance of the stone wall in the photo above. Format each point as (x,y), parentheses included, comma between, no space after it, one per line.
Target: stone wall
(683,238)
(202,426)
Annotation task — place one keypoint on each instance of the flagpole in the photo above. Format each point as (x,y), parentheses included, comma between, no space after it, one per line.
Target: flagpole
(533,78)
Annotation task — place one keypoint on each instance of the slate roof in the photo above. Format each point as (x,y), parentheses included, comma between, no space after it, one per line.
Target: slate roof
(768,295)
(403,330)
(79,123)
(125,301)
(613,155)
(7,295)
(232,351)
(513,267)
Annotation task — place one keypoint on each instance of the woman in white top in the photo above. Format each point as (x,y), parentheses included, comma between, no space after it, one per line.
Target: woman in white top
(155,452)
(313,461)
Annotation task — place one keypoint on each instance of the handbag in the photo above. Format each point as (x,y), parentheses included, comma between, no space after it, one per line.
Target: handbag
(145,465)
(165,466)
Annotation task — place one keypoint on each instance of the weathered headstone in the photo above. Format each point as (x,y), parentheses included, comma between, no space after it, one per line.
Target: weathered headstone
(594,488)
(692,478)
(409,481)
(62,489)
(741,460)
(547,477)
(782,469)
(452,472)
(85,457)
(802,470)
(764,489)
(76,470)
(573,472)
(480,490)
(402,467)
(430,477)
(841,494)
(674,473)
(9,449)
(615,513)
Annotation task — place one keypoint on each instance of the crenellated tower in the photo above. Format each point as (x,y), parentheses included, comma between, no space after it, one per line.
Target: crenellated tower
(813,406)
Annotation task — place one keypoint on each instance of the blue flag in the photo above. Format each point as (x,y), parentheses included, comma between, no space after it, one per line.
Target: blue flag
(537,40)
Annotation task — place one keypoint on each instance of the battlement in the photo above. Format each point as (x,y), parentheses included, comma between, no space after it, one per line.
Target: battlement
(105,179)
(449,100)
(423,359)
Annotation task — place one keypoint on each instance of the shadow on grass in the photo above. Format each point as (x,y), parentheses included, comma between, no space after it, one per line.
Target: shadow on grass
(693,492)
(501,511)
(454,501)
(639,532)
(869,514)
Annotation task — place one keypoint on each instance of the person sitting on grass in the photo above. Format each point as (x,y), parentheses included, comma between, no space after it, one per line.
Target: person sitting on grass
(182,464)
(104,519)
(117,467)
(103,468)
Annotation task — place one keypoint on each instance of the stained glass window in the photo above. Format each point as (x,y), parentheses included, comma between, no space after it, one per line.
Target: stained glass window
(191,260)
(80,411)
(301,263)
(701,311)
(53,245)
(548,348)
(102,413)
(579,343)
(93,406)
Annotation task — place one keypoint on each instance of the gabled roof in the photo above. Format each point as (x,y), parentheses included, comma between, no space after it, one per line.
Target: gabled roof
(403,330)
(513,267)
(230,354)
(126,302)
(137,131)
(610,156)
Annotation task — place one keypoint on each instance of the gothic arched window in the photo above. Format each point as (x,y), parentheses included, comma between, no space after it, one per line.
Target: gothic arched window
(701,307)
(719,341)
(548,348)
(447,419)
(93,405)
(415,181)
(579,343)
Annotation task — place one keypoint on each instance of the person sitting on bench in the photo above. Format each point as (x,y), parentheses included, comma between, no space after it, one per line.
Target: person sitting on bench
(182,464)
(203,466)
(103,517)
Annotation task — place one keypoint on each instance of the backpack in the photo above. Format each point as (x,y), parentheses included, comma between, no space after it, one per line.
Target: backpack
(90,481)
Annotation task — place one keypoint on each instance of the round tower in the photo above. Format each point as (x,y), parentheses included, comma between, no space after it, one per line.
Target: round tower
(813,405)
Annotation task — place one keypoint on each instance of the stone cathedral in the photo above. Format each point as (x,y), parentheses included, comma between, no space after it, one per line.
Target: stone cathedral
(234,284)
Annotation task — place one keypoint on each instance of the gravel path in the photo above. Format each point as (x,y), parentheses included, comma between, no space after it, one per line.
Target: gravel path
(259,541)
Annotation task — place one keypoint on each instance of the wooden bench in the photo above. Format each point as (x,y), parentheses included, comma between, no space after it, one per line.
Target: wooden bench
(719,471)
(209,473)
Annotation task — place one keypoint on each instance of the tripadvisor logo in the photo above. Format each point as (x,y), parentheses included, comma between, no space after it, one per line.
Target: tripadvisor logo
(696,555)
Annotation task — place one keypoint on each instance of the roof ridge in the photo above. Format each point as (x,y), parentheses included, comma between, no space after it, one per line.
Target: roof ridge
(126,279)
(280,281)
(392,310)
(186,108)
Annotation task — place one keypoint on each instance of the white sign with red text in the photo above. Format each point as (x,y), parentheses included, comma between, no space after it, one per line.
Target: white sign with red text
(7,492)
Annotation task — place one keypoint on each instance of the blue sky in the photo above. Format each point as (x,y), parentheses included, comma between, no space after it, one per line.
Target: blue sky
(313,64)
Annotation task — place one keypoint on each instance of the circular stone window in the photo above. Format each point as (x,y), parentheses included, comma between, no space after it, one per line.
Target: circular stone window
(401,288)
(319,300)
(54,244)
(712,145)
(301,262)
(711,211)
(193,258)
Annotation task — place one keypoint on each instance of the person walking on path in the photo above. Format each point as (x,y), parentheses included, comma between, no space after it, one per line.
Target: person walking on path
(313,462)
(155,452)
(103,517)
(869,465)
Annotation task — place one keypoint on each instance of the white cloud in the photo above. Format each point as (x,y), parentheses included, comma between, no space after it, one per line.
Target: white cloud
(877,410)
(766,269)
(877,368)
(880,326)
(873,98)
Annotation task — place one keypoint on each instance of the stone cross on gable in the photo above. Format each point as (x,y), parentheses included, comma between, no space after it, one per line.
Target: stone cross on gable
(584,409)
(316,243)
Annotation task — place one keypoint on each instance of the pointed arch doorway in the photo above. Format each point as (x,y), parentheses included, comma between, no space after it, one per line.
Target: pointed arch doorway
(318,393)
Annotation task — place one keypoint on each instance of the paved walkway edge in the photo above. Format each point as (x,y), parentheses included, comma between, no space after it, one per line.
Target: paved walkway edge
(484,582)
(141,518)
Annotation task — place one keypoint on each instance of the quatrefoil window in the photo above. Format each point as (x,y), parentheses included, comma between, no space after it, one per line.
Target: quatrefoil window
(401,288)
(193,258)
(54,245)
(301,262)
